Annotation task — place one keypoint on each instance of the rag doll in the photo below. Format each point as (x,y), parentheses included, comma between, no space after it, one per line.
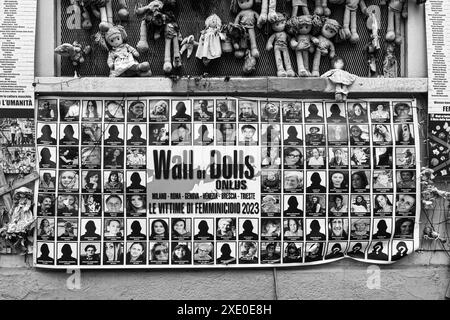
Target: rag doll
(121,58)
(397,9)
(323,43)
(279,43)
(349,29)
(341,78)
(300,27)
(75,52)
(247,18)
(209,47)
(268,12)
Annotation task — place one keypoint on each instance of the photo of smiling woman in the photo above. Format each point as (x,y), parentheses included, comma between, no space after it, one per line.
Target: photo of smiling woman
(159,229)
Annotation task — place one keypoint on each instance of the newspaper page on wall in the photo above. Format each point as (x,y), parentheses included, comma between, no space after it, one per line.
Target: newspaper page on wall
(203,182)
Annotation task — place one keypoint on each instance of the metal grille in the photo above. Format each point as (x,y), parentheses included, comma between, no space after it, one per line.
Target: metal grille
(192,22)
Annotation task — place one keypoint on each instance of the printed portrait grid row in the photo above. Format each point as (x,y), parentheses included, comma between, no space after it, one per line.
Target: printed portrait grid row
(246,133)
(137,250)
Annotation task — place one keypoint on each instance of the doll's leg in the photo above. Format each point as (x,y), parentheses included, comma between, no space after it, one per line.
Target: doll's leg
(354,32)
(109,12)
(123,12)
(167,59)
(263,16)
(279,62)
(253,46)
(287,63)
(103,26)
(142,45)
(326,10)
(316,64)
(398,29)
(144,69)
(294,11)
(390,34)
(306,63)
(272,15)
(300,66)
(176,53)
(346,25)
(318,7)
(305,10)
(339,95)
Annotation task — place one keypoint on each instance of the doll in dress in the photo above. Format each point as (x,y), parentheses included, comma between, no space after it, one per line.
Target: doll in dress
(279,42)
(247,18)
(323,43)
(341,78)
(209,46)
(300,27)
(121,57)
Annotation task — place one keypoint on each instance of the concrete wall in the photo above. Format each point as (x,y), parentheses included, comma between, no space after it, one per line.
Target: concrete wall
(421,276)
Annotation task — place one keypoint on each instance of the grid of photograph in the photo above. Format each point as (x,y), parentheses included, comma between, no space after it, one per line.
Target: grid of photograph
(336,179)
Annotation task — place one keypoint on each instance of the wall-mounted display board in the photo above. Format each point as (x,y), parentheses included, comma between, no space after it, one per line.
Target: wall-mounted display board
(195,182)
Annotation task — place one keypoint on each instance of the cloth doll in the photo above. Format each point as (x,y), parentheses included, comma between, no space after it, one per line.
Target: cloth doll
(209,47)
(279,43)
(341,78)
(349,30)
(75,52)
(153,21)
(121,57)
(390,65)
(237,37)
(397,10)
(247,18)
(173,38)
(297,4)
(188,45)
(268,12)
(323,43)
(300,27)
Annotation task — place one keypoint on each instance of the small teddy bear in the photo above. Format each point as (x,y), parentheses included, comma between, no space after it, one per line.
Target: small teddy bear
(324,45)
(248,19)
(300,27)
(279,42)
(121,58)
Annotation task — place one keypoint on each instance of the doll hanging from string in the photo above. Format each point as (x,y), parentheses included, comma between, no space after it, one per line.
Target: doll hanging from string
(341,78)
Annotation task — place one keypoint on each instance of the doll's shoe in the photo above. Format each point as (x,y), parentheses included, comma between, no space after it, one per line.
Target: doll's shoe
(144,67)
(318,11)
(255,53)
(290,73)
(390,36)
(315,74)
(304,73)
(104,26)
(176,62)
(142,46)
(167,67)
(354,38)
(326,12)
(281,73)
(398,39)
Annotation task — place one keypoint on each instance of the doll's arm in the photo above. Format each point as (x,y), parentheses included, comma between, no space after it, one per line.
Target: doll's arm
(332,49)
(132,50)
(315,40)
(294,43)
(269,45)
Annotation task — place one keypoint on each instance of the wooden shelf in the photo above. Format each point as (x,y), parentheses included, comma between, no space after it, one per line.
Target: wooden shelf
(282,87)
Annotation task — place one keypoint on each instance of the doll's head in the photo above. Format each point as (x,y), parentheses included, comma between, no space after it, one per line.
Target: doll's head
(115,36)
(213,21)
(338,63)
(330,28)
(300,25)
(279,23)
(237,5)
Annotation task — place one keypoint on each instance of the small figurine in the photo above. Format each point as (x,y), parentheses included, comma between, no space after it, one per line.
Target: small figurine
(300,27)
(21,215)
(237,36)
(390,65)
(397,10)
(430,234)
(268,12)
(280,38)
(321,8)
(349,29)
(102,9)
(209,47)
(341,78)
(153,20)
(324,45)
(75,52)
(247,18)
(188,45)
(173,39)
(296,4)
(121,57)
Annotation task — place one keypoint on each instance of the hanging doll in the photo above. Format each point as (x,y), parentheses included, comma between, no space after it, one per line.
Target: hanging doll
(297,4)
(75,52)
(247,18)
(279,42)
(102,9)
(300,27)
(268,12)
(188,45)
(321,8)
(324,45)
(397,10)
(173,38)
(153,20)
(349,29)
(121,57)
(390,65)
(209,47)
(21,215)
(341,78)
(237,37)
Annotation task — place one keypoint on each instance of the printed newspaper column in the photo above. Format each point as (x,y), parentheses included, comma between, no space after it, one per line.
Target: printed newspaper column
(17,38)
(438,53)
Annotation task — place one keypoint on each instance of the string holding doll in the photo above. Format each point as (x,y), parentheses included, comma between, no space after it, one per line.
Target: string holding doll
(268,12)
(247,18)
(300,27)
(121,57)
(397,10)
(341,78)
(75,52)
(297,4)
(349,29)
(323,43)
(209,45)
(279,43)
